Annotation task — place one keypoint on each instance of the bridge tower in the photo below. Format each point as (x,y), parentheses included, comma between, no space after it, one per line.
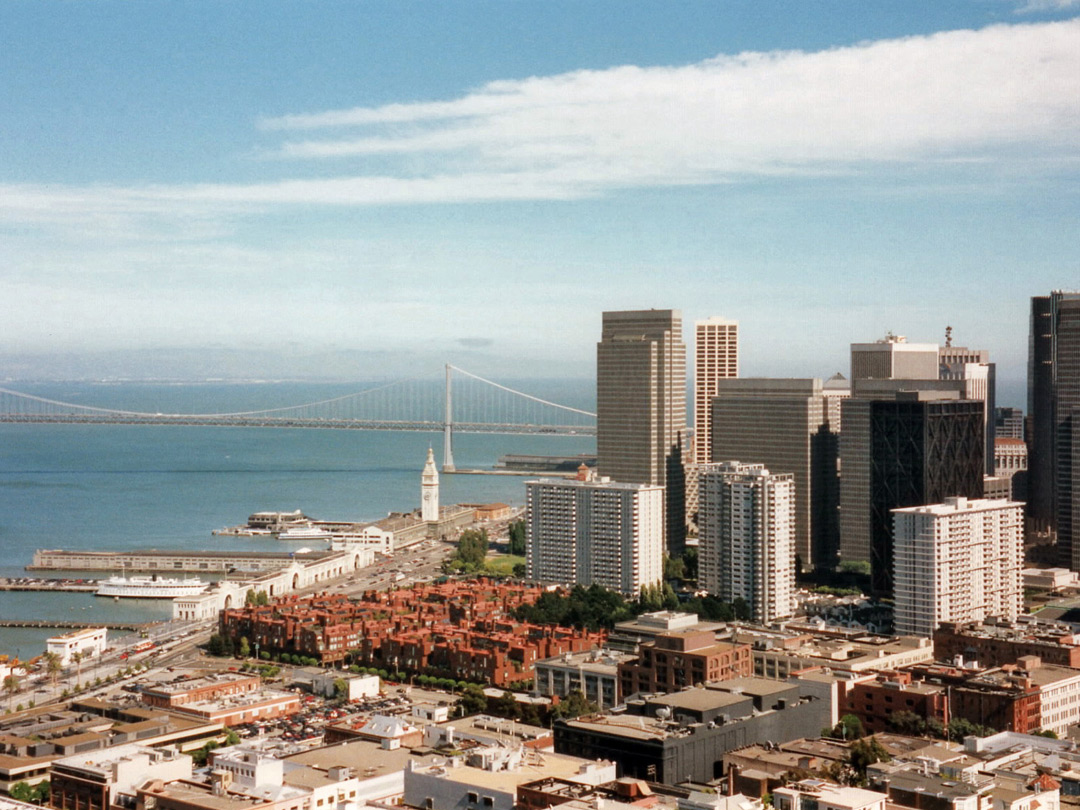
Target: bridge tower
(448,423)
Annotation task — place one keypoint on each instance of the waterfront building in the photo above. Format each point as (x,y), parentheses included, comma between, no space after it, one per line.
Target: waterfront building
(89,643)
(716,357)
(641,407)
(1054,426)
(784,425)
(893,358)
(957,561)
(429,490)
(746,547)
(595,532)
(915,448)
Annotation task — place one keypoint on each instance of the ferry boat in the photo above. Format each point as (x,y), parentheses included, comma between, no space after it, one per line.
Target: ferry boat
(150,587)
(304,533)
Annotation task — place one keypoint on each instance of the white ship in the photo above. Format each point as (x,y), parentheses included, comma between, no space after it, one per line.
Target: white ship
(304,533)
(150,587)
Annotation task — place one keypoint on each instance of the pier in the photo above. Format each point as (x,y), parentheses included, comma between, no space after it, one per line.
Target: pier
(154,561)
(32,584)
(60,624)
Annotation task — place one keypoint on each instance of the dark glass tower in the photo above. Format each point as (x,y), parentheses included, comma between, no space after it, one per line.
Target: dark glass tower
(914,450)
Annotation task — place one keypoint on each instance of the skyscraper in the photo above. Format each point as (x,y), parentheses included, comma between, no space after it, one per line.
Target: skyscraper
(784,425)
(957,561)
(979,376)
(893,358)
(1054,413)
(716,357)
(641,407)
(595,532)
(747,546)
(916,448)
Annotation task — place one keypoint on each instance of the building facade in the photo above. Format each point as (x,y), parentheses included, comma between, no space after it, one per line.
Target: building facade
(915,448)
(1054,426)
(784,424)
(641,407)
(957,561)
(893,358)
(746,544)
(595,532)
(716,357)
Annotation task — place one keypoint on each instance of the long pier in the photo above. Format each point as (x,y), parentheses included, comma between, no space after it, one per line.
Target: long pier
(33,584)
(155,561)
(60,624)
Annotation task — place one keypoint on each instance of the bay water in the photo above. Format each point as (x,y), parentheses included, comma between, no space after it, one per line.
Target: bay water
(131,487)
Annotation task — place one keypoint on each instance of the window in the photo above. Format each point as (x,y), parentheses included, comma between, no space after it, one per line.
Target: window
(489,802)
(473,797)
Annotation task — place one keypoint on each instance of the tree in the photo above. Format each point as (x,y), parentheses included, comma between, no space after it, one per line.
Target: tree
(472,700)
(31,794)
(574,705)
(11,686)
(674,567)
(77,659)
(341,689)
(473,547)
(516,533)
(850,727)
(245,647)
(864,753)
(961,727)
(520,570)
(905,722)
(54,665)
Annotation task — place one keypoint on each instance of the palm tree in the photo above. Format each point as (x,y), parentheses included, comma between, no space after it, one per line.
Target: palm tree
(77,659)
(11,686)
(53,665)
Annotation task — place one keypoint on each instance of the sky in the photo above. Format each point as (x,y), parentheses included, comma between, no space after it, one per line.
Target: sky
(357,190)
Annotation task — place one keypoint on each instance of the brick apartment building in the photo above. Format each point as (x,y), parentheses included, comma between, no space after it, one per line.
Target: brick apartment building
(461,630)
(993,645)
(875,702)
(681,658)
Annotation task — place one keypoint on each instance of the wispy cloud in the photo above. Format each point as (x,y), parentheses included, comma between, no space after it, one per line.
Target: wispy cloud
(1043,6)
(994,96)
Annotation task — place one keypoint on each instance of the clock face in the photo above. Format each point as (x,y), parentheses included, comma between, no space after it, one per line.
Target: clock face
(428,495)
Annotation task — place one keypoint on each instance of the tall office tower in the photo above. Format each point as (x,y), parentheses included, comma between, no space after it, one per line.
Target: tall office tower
(746,542)
(783,424)
(1054,426)
(716,357)
(957,561)
(1008,423)
(979,375)
(915,448)
(595,532)
(893,358)
(641,407)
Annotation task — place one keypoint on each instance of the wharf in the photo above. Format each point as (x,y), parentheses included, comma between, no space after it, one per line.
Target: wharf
(66,625)
(156,561)
(33,584)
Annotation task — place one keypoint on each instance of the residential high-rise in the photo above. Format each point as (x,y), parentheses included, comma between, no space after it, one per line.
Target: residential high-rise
(1054,413)
(641,407)
(716,357)
(893,358)
(746,543)
(784,425)
(595,532)
(915,448)
(957,561)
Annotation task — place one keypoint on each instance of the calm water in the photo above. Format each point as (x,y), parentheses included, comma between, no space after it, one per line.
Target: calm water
(106,487)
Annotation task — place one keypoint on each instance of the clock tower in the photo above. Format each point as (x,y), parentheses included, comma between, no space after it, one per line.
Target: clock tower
(429,490)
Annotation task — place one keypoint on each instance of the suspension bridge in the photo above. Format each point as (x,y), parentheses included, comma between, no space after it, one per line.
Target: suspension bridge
(464,402)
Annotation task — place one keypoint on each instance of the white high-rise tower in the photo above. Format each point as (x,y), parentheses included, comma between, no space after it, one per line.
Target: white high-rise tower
(429,490)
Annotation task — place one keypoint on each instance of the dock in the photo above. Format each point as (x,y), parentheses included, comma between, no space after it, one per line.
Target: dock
(155,561)
(59,624)
(33,584)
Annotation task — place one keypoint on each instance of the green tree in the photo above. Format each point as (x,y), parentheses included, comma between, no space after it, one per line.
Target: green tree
(674,567)
(905,722)
(11,686)
(574,705)
(54,665)
(671,600)
(864,753)
(516,532)
(341,689)
(473,547)
(245,647)
(472,701)
(850,727)
(961,727)
(504,706)
(520,570)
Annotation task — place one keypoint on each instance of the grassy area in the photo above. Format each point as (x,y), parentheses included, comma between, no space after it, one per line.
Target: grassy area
(503,564)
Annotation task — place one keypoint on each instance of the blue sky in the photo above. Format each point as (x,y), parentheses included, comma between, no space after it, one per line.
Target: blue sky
(348,189)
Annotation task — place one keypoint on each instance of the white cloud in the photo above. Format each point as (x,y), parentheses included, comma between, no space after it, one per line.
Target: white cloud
(1042,6)
(1000,95)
